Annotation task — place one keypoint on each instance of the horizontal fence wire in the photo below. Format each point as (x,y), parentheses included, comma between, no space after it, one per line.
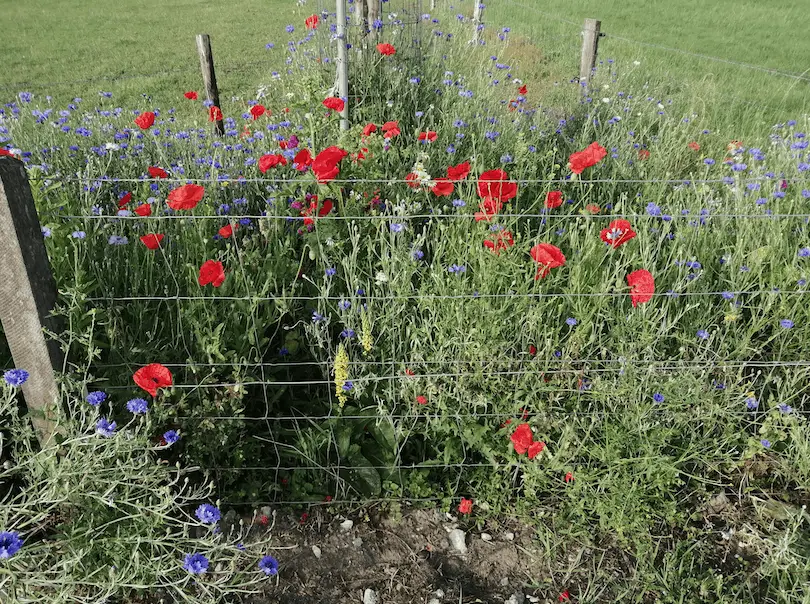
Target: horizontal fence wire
(437,216)
(668,364)
(731,493)
(394,181)
(472,296)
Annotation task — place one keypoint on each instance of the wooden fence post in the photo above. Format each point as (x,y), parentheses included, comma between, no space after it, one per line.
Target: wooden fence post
(209,77)
(590,42)
(478,15)
(432,4)
(27,297)
(343,62)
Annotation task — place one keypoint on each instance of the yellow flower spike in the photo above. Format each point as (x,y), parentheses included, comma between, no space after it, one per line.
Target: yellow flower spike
(366,338)
(341,373)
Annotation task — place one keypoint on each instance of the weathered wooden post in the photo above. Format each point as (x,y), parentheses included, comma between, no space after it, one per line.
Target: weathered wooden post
(590,42)
(432,4)
(478,15)
(343,63)
(373,15)
(209,77)
(27,297)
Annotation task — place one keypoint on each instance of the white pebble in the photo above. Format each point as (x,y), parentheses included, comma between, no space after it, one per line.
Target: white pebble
(347,525)
(317,551)
(458,540)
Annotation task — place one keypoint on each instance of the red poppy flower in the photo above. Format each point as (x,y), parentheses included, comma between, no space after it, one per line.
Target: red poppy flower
(312,22)
(564,596)
(152,377)
(547,257)
(391,129)
(465,506)
(264,520)
(593,208)
(586,158)
(257,111)
(410,372)
(6,153)
(302,160)
(145,120)
(191,95)
(144,210)
(569,477)
(211,273)
(522,438)
(304,518)
(536,448)
(532,350)
(459,172)
(522,89)
(186,197)
(313,211)
(422,400)
(386,49)
(643,154)
(226,231)
(334,103)
(694,146)
(642,286)
(428,136)
(554,199)
(489,208)
(214,114)
(495,184)
(617,233)
(412,180)
(125,199)
(152,240)
(369,129)
(503,241)
(442,187)
(326,165)
(271,161)
(156,172)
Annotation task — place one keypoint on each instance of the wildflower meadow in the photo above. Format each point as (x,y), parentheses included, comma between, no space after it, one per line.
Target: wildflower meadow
(579,307)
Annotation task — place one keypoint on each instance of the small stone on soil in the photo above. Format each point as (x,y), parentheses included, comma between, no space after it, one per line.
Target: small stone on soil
(510,536)
(458,540)
(317,551)
(517,598)
(486,537)
(347,525)
(370,597)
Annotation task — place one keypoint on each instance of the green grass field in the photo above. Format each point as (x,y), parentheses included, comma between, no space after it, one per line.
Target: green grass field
(48,42)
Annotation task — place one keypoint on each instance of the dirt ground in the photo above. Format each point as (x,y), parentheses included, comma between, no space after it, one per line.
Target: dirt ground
(369,558)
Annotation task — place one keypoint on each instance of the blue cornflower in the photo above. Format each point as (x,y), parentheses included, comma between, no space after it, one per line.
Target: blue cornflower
(269,565)
(751,403)
(765,443)
(727,296)
(347,333)
(786,323)
(459,124)
(269,46)
(289,29)
(571,321)
(10,544)
(118,240)
(702,334)
(78,234)
(506,158)
(171,437)
(105,428)
(739,167)
(25,97)
(459,203)
(344,305)
(709,161)
(331,271)
(241,547)
(46,232)
(417,254)
(96,398)
(208,514)
(348,385)
(195,563)
(15,377)
(316,316)
(658,397)
(137,406)
(491,135)
(283,351)
(785,408)
(455,268)
(804,252)
(415,80)
(653,209)
(396,227)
